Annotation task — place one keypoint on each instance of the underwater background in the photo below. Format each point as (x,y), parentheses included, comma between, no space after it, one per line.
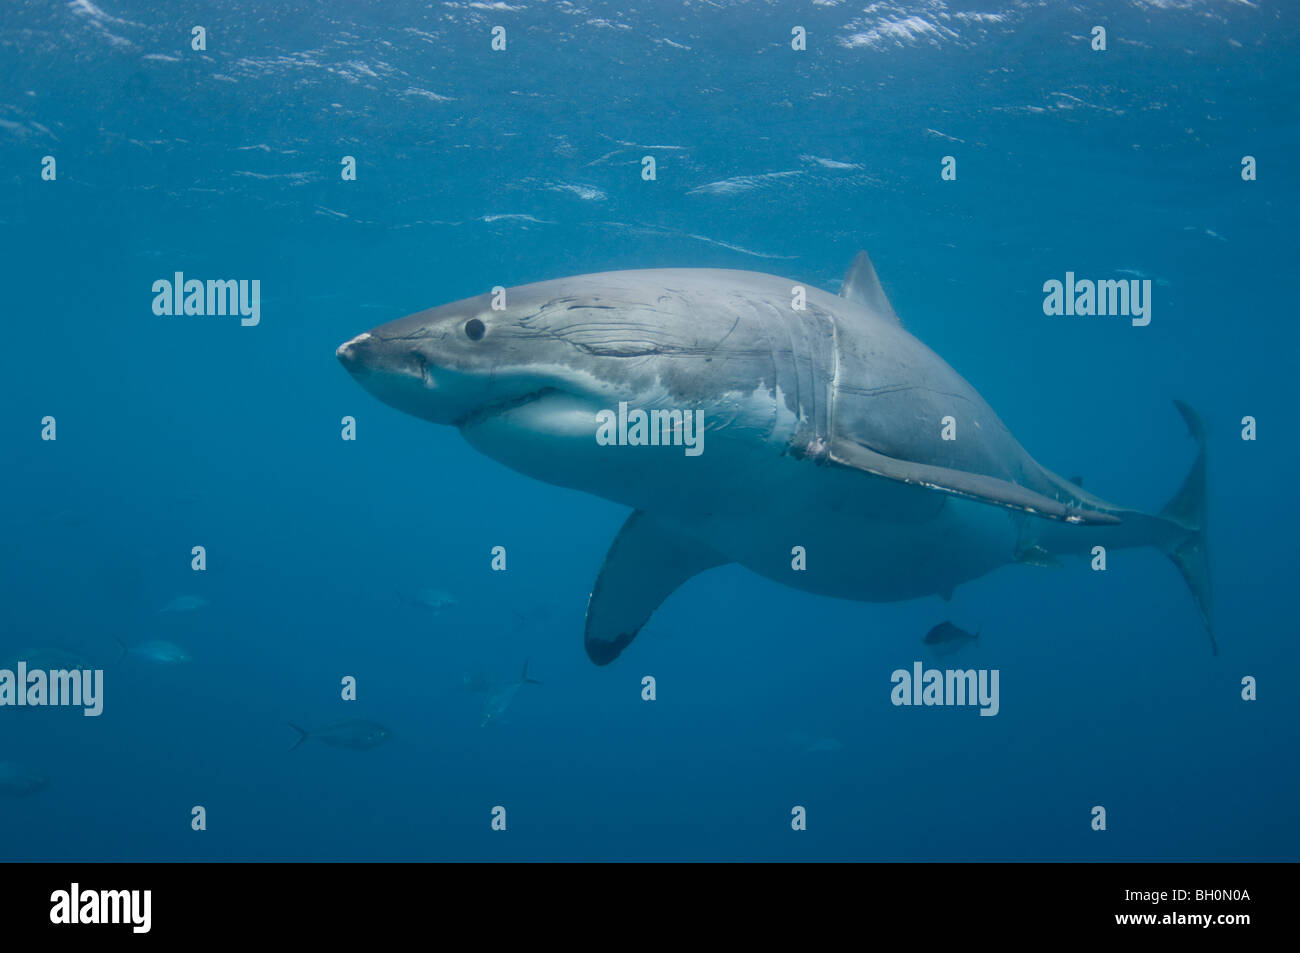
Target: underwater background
(371,558)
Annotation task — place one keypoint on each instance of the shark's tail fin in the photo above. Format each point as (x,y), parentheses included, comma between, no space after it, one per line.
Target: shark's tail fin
(125,651)
(523,677)
(1186,510)
(302,736)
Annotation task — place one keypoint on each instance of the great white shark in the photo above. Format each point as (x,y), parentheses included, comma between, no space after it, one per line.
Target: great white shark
(829,427)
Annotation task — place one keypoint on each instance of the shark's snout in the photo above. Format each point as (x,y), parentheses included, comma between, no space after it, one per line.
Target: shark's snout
(397,371)
(462,363)
(356,355)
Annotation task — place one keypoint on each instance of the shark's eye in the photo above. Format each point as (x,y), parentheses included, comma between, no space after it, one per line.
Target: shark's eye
(474,329)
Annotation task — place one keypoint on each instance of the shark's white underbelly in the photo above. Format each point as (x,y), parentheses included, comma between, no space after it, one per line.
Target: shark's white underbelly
(862,538)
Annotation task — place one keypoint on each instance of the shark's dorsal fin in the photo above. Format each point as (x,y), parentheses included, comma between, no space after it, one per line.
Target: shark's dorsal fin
(862,285)
(644,565)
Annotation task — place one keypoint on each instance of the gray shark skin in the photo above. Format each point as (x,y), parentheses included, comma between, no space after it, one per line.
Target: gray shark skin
(823,429)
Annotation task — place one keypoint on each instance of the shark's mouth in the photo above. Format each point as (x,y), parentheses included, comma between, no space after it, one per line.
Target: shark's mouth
(488,411)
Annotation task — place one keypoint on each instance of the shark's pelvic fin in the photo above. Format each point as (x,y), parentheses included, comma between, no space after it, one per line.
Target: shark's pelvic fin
(644,565)
(974,486)
(863,286)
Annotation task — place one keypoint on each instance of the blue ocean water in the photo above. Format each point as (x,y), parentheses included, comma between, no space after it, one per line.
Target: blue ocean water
(478,168)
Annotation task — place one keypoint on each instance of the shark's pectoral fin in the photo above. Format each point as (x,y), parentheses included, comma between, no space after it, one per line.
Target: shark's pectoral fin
(974,486)
(644,565)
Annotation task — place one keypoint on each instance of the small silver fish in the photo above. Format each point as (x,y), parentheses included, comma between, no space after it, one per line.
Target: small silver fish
(185,604)
(947,638)
(156,651)
(48,658)
(1036,555)
(500,701)
(435,600)
(357,734)
(17,780)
